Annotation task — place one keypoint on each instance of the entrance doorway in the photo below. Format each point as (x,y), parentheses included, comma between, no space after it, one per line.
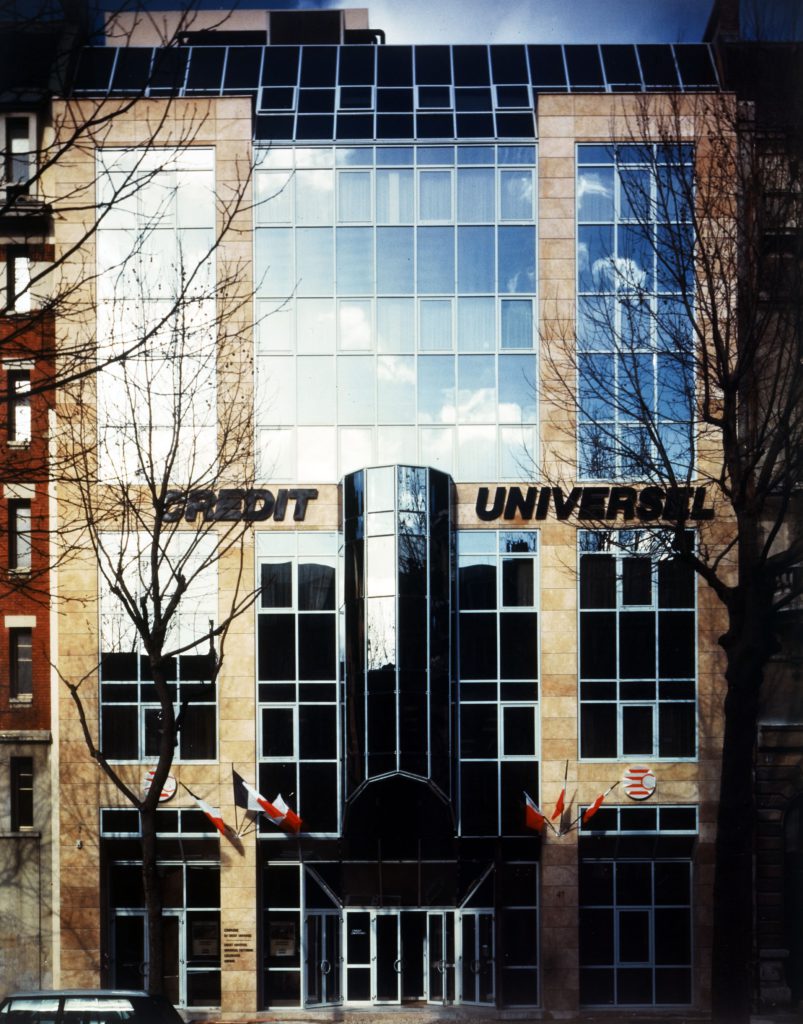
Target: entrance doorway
(477,956)
(322,958)
(396,956)
(190,950)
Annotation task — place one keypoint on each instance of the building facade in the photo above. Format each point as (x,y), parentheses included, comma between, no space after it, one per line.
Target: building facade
(461,600)
(27,342)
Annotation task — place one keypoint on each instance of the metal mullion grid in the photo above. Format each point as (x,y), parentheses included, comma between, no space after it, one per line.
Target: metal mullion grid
(428,555)
(640,69)
(396,594)
(607,425)
(673,906)
(619,424)
(296,94)
(622,609)
(650,960)
(682,84)
(605,84)
(219,92)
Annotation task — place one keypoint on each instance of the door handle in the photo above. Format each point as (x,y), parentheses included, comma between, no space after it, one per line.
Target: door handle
(326,967)
(397,965)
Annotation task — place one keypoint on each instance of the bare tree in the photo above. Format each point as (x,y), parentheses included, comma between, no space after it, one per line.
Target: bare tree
(57,108)
(155,455)
(687,372)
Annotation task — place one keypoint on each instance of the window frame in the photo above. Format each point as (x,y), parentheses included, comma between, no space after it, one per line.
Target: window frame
(14,187)
(294,694)
(16,269)
(22,806)
(18,392)
(20,536)
(621,426)
(617,909)
(620,553)
(20,640)
(518,694)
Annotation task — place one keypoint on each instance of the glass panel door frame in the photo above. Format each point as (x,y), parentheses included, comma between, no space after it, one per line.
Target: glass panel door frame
(475,961)
(327,933)
(441,957)
(379,971)
(172,914)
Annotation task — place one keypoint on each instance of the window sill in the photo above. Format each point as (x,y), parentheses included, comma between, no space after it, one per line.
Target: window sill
(19,445)
(19,573)
(23,701)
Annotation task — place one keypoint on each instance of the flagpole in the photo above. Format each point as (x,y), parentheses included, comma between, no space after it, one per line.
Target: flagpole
(575,824)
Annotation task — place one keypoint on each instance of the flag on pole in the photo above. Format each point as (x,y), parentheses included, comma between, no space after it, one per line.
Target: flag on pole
(245,796)
(213,813)
(533,816)
(290,821)
(252,800)
(592,810)
(561,802)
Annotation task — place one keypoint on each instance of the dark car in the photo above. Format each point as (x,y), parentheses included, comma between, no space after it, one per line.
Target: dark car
(87,1006)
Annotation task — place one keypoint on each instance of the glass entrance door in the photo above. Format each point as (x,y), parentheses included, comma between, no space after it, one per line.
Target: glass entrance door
(477,957)
(440,956)
(129,951)
(323,959)
(387,961)
(130,968)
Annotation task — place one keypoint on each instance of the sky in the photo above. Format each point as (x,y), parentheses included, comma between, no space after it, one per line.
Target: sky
(499,21)
(536,21)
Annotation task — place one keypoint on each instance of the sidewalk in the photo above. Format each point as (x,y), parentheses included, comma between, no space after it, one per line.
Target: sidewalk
(468,1015)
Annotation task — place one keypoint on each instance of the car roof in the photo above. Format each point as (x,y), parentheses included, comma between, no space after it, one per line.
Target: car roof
(103,993)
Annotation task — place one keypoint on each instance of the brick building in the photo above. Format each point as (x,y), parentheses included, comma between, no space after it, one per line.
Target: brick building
(27,342)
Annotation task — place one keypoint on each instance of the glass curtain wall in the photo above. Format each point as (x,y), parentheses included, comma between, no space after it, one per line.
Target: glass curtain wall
(635,259)
(396,310)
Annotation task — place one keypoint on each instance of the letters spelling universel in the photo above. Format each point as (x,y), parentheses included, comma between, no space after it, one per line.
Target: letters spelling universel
(673,504)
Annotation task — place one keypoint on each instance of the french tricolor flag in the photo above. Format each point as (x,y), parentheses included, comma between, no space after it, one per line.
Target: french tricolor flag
(534,818)
(277,811)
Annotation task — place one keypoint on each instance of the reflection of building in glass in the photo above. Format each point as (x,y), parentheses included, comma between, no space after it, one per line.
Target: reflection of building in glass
(425,232)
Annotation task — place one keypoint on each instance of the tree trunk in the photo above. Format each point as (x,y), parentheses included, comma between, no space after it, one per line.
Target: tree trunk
(153,901)
(746,646)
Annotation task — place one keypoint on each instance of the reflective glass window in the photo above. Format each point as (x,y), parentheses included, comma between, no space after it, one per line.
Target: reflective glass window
(448,267)
(394,260)
(476,324)
(498,671)
(314,265)
(475,259)
(435,256)
(634,654)
(435,195)
(355,261)
(516,259)
(475,194)
(632,245)
(354,196)
(435,324)
(394,196)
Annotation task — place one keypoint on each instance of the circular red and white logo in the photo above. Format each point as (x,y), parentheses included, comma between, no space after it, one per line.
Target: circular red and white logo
(639,782)
(168,790)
